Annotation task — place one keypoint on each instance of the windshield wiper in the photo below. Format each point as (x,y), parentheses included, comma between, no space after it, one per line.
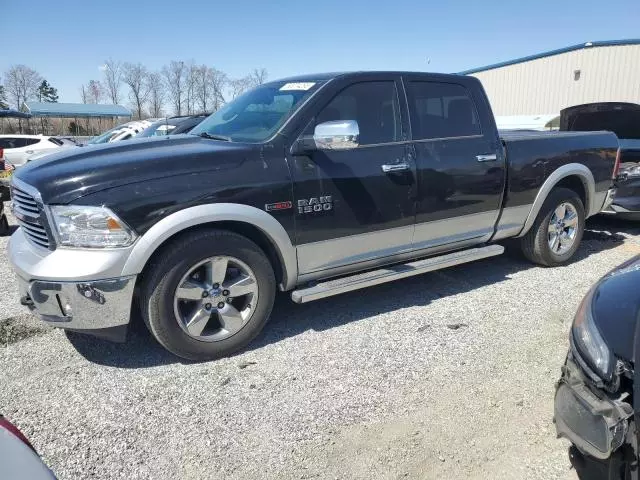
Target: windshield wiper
(214,137)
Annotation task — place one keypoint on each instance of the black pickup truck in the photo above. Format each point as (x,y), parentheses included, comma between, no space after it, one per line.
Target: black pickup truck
(318,185)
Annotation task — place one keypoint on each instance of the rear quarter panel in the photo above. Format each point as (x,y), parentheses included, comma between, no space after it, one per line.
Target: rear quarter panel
(533,157)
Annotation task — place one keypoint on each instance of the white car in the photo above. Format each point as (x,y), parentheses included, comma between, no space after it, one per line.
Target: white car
(130,131)
(116,134)
(121,132)
(18,148)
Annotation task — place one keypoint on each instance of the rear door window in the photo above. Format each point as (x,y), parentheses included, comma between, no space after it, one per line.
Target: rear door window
(441,110)
(25,142)
(7,143)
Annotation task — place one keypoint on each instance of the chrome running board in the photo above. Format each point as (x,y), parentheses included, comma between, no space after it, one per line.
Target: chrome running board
(391,273)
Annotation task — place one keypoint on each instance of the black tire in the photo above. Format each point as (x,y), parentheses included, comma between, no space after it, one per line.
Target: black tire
(616,467)
(4,225)
(161,279)
(535,243)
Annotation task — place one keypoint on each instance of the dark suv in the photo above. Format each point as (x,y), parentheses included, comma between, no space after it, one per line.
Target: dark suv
(596,397)
(172,126)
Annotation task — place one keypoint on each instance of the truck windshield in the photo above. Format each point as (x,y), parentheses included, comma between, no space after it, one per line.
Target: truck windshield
(256,115)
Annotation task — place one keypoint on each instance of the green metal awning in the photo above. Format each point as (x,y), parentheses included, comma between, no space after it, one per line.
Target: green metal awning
(75,110)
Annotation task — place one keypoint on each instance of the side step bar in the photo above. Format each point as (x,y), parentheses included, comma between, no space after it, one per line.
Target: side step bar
(394,272)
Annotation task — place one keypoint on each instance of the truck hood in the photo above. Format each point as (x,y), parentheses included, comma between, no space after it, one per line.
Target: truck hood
(616,308)
(621,118)
(64,176)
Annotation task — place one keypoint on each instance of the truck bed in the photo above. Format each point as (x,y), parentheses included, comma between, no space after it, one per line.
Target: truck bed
(533,156)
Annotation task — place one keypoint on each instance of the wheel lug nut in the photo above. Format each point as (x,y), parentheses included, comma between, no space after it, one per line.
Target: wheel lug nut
(225,292)
(207,306)
(221,305)
(216,285)
(205,294)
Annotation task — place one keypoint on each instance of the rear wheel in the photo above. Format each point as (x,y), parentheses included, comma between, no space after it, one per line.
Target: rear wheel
(557,231)
(208,294)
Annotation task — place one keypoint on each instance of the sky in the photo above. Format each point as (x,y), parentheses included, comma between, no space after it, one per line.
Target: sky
(67,42)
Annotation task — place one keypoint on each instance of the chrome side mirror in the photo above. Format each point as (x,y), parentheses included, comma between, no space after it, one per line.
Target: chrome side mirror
(336,135)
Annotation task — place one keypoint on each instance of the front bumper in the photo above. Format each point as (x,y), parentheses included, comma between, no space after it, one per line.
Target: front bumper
(624,212)
(587,416)
(95,305)
(626,202)
(609,198)
(73,289)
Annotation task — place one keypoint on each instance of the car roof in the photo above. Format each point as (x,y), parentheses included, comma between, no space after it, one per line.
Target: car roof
(10,135)
(363,73)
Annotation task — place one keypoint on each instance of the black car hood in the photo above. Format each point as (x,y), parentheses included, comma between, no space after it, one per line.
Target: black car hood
(616,308)
(621,118)
(65,176)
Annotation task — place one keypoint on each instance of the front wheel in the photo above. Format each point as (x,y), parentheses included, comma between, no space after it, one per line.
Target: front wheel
(557,230)
(4,224)
(208,294)
(620,466)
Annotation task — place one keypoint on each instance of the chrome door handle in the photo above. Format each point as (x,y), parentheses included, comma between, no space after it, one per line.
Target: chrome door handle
(395,167)
(487,158)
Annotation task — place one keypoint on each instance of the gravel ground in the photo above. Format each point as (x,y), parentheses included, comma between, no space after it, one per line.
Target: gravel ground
(446,375)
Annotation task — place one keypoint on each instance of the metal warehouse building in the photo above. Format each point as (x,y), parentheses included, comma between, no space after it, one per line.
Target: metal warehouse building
(550,81)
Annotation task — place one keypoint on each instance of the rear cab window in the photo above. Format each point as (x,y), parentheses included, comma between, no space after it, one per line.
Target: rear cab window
(441,110)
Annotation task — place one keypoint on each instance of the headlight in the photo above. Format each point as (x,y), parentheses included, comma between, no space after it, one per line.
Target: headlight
(91,227)
(589,342)
(631,171)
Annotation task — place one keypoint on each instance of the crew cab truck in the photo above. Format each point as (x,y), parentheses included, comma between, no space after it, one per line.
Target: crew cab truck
(317,185)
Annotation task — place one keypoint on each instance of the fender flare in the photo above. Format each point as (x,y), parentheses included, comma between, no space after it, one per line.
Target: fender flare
(568,170)
(175,223)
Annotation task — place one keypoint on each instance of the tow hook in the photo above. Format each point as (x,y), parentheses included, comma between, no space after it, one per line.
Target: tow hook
(27,302)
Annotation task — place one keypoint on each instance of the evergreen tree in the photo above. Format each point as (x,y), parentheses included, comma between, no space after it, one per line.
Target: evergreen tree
(46,93)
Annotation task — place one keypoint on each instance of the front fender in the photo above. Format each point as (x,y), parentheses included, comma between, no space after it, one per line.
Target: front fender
(205,214)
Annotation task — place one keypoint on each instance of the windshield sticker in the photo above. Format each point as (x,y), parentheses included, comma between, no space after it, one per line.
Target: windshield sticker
(297,86)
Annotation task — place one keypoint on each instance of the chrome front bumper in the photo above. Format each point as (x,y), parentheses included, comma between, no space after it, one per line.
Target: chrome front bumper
(73,289)
(80,305)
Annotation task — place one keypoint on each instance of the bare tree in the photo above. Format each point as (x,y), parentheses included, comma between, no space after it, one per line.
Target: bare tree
(84,94)
(113,79)
(155,85)
(3,98)
(21,83)
(174,73)
(191,72)
(258,76)
(135,76)
(209,89)
(239,85)
(94,91)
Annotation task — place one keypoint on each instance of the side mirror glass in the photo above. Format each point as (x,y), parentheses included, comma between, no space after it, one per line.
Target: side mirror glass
(336,135)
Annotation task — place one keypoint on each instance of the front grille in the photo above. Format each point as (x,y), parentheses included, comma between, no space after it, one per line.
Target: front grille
(29,217)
